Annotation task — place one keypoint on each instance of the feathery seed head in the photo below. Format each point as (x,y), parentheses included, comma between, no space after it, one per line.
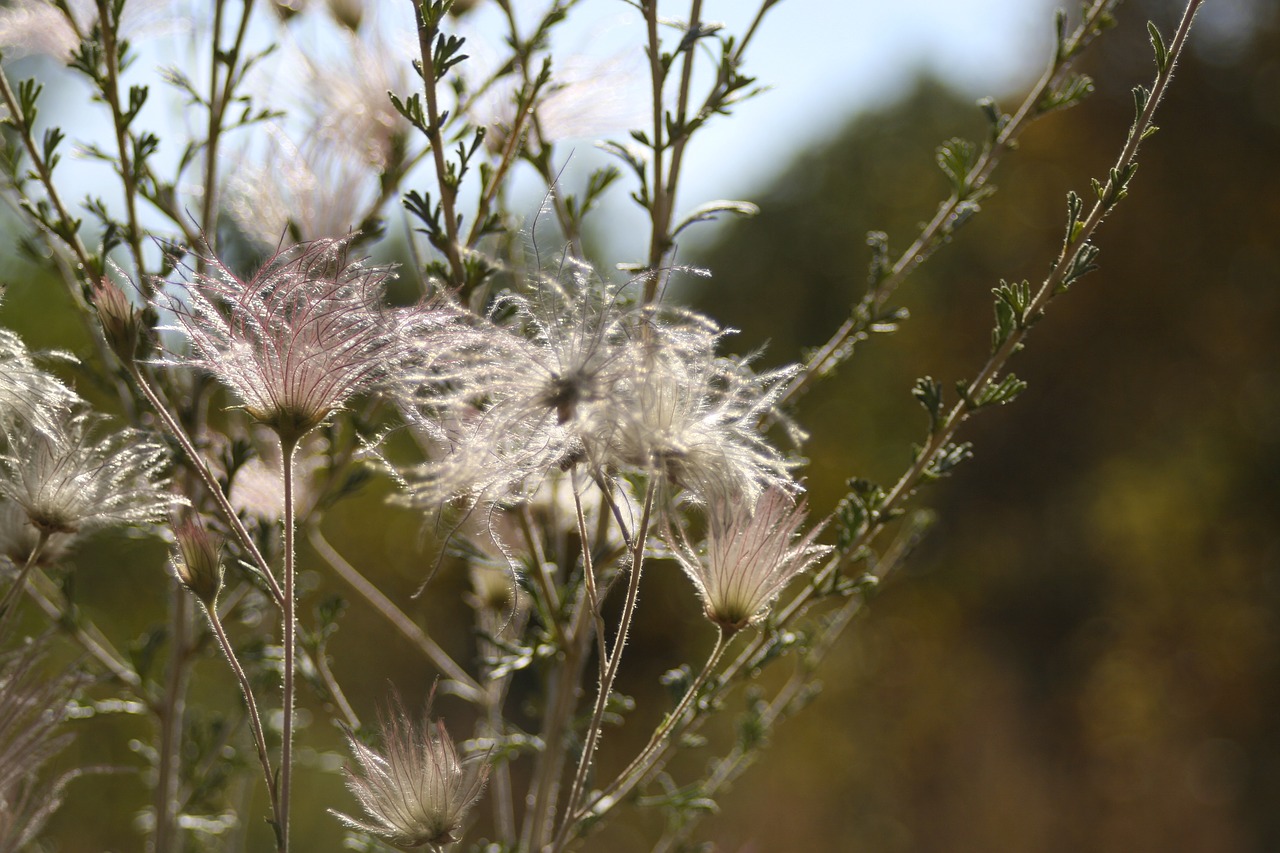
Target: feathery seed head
(752,553)
(310,191)
(693,418)
(71,480)
(123,324)
(19,538)
(515,394)
(299,338)
(417,794)
(27,392)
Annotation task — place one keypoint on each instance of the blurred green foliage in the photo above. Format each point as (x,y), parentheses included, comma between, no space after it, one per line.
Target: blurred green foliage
(1085,653)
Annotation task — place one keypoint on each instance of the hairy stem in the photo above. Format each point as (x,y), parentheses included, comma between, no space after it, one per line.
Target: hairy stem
(615,658)
(255,718)
(946,430)
(128,179)
(290,640)
(448,192)
(8,606)
(210,483)
(44,592)
(167,836)
(932,235)
(221,92)
(663,736)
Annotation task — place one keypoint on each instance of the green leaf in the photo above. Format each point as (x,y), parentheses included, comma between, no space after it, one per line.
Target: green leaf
(881,264)
(999,393)
(1011,306)
(946,460)
(1158,45)
(957,157)
(1075,226)
(1082,263)
(929,393)
(1074,89)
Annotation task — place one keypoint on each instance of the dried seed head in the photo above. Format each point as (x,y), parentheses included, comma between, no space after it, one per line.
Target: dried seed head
(74,478)
(32,706)
(752,553)
(299,338)
(419,791)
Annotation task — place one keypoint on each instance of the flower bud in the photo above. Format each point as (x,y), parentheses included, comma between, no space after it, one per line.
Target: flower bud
(122,323)
(197,562)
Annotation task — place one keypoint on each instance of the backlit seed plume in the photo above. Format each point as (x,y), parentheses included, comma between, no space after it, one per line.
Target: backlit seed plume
(44,27)
(32,706)
(307,192)
(418,793)
(693,417)
(752,553)
(26,391)
(514,397)
(300,337)
(81,477)
(19,540)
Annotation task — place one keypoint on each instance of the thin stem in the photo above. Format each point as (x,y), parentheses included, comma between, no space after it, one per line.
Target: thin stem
(546,583)
(290,641)
(589,580)
(71,237)
(8,606)
(640,766)
(464,685)
(448,192)
(220,95)
(659,215)
(255,718)
(128,179)
(945,432)
(45,594)
(565,688)
(504,812)
(678,142)
(170,715)
(211,484)
(321,663)
(615,659)
(739,757)
(932,235)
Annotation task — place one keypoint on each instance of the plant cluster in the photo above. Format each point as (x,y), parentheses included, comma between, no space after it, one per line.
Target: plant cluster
(558,428)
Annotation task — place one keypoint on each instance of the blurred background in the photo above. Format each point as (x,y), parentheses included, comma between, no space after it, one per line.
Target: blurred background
(1084,654)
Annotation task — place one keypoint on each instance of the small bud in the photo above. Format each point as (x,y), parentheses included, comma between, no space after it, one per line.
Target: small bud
(198,561)
(122,323)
